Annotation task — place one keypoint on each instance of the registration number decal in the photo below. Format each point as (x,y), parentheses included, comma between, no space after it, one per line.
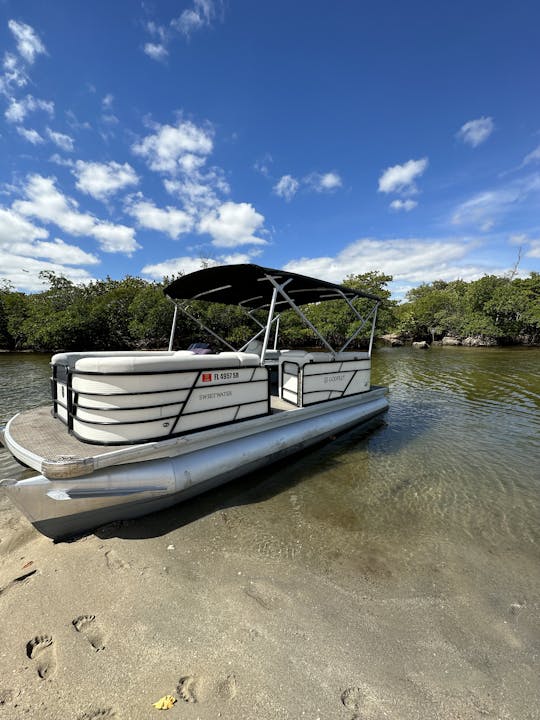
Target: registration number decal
(216,376)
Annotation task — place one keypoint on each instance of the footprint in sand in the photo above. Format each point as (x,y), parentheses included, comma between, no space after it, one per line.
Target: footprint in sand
(6,696)
(200,689)
(352,698)
(41,649)
(99,714)
(186,688)
(226,689)
(86,625)
(115,562)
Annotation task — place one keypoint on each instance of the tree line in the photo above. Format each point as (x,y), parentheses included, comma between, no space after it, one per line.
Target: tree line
(133,313)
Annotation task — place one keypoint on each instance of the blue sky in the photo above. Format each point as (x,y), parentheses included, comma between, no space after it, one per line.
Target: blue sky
(326,137)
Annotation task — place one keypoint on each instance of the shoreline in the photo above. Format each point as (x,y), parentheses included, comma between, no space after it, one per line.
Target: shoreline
(380,343)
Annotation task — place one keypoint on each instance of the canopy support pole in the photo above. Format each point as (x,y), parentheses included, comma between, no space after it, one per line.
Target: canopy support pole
(358,329)
(297,310)
(373,330)
(269,323)
(184,309)
(173,327)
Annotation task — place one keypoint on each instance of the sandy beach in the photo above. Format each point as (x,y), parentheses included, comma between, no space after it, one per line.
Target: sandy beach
(250,602)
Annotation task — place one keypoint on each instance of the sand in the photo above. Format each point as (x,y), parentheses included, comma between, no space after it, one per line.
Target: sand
(240,606)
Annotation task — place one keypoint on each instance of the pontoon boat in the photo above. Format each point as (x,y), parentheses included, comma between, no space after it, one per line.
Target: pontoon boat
(129,433)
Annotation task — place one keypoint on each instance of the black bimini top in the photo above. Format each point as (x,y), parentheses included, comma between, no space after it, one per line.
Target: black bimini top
(252,286)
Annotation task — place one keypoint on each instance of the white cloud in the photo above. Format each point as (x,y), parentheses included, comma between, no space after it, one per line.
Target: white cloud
(64,142)
(406,205)
(75,123)
(195,18)
(180,152)
(61,160)
(532,157)
(484,209)
(28,43)
(324,182)
(57,250)
(190,163)
(188,21)
(25,251)
(166,147)
(108,101)
(14,228)
(156,51)
(263,165)
(115,238)
(286,187)
(233,224)
(110,119)
(14,73)
(188,264)
(198,16)
(14,65)
(196,195)
(239,258)
(400,178)
(475,132)
(100,180)
(174,266)
(170,220)
(408,260)
(18,110)
(31,135)
(22,271)
(532,245)
(46,203)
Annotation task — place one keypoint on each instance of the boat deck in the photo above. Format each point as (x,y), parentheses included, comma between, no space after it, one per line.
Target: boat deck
(42,434)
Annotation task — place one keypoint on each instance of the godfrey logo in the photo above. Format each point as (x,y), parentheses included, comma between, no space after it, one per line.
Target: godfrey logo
(206,377)
(333,378)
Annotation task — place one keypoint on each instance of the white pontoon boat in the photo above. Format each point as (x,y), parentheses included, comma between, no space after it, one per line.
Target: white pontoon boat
(134,432)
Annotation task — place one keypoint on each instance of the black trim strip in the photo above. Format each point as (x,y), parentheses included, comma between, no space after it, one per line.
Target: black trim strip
(165,436)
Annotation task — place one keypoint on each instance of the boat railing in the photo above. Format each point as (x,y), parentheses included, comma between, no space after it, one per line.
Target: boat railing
(306,378)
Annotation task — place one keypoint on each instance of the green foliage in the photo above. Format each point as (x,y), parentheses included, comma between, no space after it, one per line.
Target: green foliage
(13,312)
(133,313)
(502,308)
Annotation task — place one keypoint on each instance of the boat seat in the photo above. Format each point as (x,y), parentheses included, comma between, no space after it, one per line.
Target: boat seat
(301,357)
(245,359)
(70,358)
(178,361)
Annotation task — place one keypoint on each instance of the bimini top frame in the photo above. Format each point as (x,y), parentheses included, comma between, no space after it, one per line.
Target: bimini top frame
(253,288)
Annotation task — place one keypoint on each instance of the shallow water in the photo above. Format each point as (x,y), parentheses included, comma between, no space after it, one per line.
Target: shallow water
(453,468)
(403,562)
(458,454)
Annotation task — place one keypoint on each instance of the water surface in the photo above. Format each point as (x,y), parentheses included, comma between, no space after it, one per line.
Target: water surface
(458,455)
(427,527)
